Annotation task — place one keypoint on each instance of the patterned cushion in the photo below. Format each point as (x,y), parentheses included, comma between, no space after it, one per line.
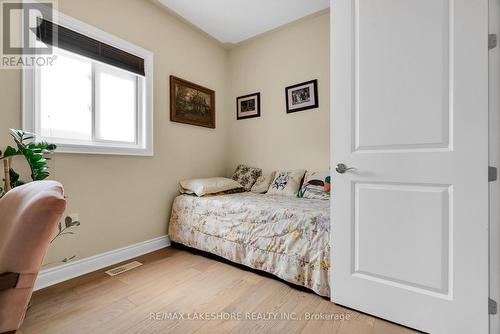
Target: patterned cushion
(286,183)
(262,184)
(246,176)
(316,186)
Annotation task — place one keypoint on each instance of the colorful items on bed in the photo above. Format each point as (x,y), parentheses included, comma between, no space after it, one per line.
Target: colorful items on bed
(294,183)
(316,186)
(246,176)
(286,183)
(212,185)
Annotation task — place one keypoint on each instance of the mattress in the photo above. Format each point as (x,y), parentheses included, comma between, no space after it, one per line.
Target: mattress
(285,236)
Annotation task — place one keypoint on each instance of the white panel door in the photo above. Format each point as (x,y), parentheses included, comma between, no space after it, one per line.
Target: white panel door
(410,114)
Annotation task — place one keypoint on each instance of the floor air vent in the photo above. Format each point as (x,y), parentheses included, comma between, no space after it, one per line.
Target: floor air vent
(124,268)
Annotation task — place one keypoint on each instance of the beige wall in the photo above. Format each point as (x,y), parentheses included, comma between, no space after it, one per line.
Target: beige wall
(268,64)
(123,200)
(126,199)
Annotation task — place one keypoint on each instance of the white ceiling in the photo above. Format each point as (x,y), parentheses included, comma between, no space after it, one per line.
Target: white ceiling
(233,21)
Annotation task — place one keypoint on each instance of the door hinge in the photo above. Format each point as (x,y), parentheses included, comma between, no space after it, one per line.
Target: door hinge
(492,306)
(492,41)
(492,174)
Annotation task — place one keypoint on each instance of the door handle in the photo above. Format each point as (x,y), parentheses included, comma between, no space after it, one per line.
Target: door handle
(342,168)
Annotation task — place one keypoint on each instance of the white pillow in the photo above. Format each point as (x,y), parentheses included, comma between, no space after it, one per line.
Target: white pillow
(210,185)
(262,184)
(286,183)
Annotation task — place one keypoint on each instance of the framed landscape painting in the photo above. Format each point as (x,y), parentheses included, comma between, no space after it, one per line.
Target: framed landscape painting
(302,96)
(248,106)
(191,103)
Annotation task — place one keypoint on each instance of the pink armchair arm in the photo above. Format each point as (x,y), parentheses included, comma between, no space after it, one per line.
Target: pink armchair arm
(28,216)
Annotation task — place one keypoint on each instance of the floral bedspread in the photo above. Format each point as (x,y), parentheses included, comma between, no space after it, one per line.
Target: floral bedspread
(285,236)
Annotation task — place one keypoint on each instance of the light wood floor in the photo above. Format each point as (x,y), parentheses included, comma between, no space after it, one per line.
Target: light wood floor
(172,281)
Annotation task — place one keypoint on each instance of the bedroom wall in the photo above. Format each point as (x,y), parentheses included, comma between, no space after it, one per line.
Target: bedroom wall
(123,200)
(267,64)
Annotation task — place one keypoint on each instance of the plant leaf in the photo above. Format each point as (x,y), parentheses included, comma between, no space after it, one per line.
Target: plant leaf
(10,151)
(14,177)
(68,221)
(18,183)
(33,152)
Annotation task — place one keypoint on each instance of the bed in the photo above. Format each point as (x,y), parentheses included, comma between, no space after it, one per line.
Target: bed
(285,236)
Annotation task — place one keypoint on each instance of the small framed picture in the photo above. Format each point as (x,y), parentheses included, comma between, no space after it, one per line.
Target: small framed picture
(302,96)
(248,106)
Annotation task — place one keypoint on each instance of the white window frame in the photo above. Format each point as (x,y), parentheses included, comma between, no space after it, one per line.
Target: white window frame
(144,102)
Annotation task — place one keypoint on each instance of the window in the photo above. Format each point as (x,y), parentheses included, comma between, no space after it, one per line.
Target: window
(97,95)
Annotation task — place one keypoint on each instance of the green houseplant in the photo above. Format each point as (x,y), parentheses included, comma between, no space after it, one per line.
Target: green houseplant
(34,152)
(36,155)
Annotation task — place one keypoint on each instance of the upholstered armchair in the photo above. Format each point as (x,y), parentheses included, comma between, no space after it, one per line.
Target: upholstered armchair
(28,216)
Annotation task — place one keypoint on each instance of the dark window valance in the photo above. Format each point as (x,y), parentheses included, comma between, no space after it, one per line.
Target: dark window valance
(73,41)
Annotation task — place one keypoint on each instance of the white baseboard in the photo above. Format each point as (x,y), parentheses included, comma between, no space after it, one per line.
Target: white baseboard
(77,268)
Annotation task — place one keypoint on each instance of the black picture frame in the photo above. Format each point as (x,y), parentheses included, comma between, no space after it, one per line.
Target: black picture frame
(239,99)
(314,105)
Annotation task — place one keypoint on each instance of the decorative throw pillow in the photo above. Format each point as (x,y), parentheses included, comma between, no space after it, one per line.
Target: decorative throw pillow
(246,176)
(262,183)
(211,185)
(316,186)
(286,183)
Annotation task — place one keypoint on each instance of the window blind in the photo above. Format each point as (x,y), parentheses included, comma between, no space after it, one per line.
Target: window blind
(88,47)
